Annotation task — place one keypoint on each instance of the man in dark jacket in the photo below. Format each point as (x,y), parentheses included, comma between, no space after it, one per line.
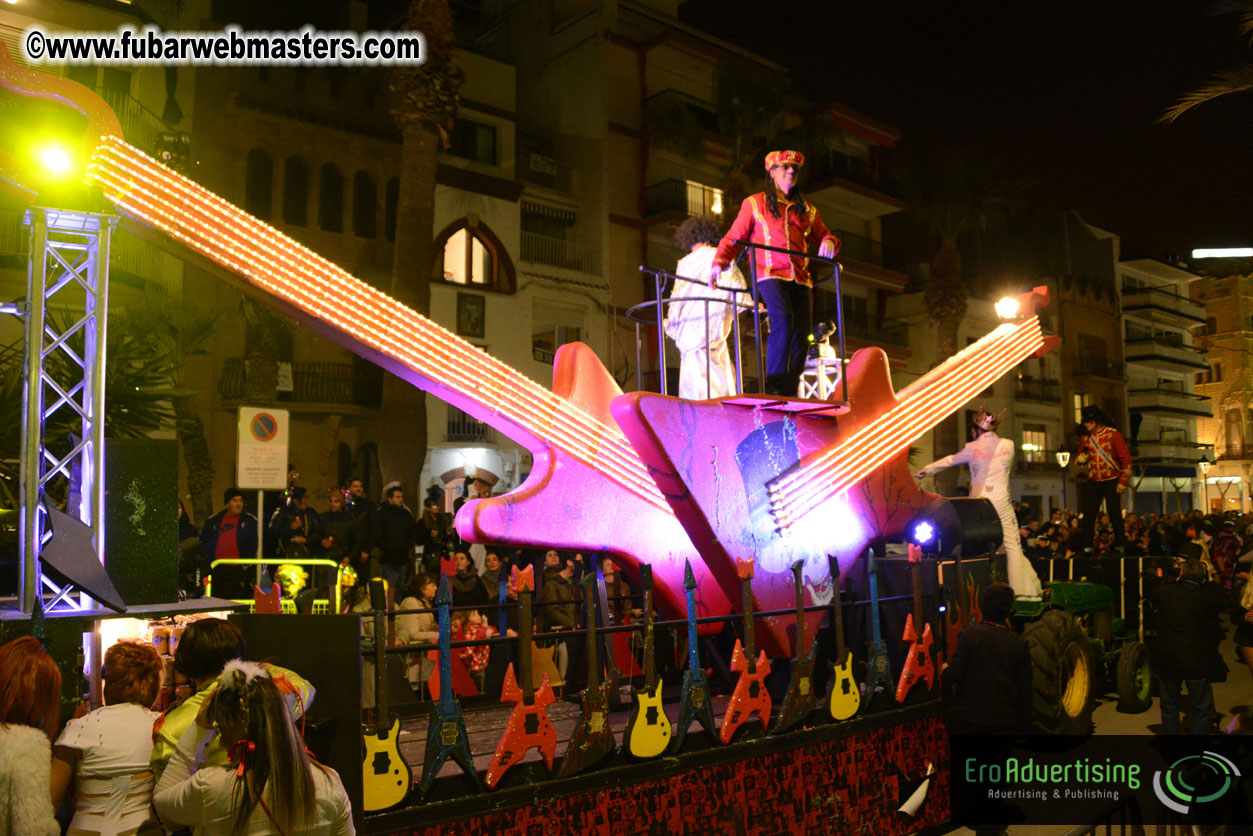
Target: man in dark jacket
(990,674)
(435,534)
(231,534)
(1185,649)
(561,614)
(397,534)
(295,529)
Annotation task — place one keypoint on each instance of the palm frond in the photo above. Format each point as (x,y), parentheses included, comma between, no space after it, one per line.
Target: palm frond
(1236,80)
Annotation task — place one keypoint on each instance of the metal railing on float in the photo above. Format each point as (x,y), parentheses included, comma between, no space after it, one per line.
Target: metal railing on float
(653,313)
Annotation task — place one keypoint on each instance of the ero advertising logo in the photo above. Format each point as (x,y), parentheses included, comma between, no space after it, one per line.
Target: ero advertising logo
(1195,779)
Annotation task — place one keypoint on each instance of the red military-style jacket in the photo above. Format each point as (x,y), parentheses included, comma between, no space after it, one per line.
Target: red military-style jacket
(797,228)
(1112,460)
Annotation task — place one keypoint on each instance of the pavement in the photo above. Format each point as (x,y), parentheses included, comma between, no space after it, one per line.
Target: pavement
(1234,694)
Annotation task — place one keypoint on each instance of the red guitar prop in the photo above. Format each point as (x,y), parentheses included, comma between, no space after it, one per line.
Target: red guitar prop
(750,697)
(918,663)
(780,479)
(528,725)
(268,602)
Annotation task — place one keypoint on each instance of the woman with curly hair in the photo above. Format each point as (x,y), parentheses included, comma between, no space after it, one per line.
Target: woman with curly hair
(30,711)
(272,785)
(106,752)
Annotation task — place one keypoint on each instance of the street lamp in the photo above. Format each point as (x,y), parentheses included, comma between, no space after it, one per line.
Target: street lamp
(1205,465)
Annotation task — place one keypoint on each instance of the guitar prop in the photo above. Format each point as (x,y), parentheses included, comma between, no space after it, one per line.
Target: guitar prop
(845,697)
(878,665)
(446,729)
(648,729)
(966,610)
(918,663)
(386,777)
(593,736)
(694,704)
(800,699)
(584,466)
(528,724)
(778,480)
(750,697)
(270,602)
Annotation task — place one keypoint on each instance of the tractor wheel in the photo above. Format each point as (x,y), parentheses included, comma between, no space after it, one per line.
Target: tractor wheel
(1134,679)
(1062,672)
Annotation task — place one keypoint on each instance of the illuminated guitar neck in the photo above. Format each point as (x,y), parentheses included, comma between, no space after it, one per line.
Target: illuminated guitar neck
(332,298)
(920,406)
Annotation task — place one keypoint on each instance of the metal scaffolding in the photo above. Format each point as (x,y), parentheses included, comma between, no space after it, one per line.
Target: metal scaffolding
(65,314)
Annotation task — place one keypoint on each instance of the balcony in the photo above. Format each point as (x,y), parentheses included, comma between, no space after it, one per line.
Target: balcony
(1170,401)
(140,126)
(1087,366)
(1234,451)
(359,383)
(679,122)
(868,250)
(559,252)
(683,197)
(1164,350)
(833,164)
(127,253)
(1169,307)
(1037,461)
(1032,389)
(1163,451)
(464,429)
(865,329)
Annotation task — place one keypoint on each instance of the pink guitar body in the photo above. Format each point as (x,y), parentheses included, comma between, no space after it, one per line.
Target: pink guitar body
(565,504)
(918,664)
(750,697)
(712,460)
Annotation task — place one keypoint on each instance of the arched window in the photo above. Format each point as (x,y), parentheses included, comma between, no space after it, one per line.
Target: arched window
(472,256)
(295,192)
(391,197)
(258,184)
(1234,433)
(330,199)
(364,205)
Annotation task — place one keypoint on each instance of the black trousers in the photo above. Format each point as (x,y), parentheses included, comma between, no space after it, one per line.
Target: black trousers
(1096,494)
(789,308)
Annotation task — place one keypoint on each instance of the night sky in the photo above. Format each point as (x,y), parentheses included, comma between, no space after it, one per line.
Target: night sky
(1061,94)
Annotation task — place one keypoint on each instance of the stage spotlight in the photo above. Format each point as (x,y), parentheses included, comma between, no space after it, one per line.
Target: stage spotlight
(1007,308)
(924,533)
(56,161)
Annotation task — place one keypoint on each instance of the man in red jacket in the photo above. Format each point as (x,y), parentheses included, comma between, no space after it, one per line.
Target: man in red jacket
(780,217)
(1109,469)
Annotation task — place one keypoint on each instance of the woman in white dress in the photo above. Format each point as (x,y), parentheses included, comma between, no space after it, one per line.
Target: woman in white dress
(699,329)
(106,752)
(272,785)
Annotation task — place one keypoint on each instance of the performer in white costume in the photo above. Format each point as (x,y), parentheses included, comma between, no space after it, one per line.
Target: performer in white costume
(990,459)
(700,332)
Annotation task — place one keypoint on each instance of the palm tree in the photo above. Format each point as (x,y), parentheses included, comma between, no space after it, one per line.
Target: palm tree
(1238,79)
(424,104)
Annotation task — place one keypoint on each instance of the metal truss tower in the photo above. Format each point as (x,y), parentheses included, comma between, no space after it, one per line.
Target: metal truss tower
(65,314)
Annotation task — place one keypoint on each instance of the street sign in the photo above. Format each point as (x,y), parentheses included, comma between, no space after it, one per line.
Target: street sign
(261,458)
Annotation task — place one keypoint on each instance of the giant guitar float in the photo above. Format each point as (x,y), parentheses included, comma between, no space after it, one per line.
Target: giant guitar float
(778,480)
(587,490)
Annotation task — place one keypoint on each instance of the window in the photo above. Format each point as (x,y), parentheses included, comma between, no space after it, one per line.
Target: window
(295,192)
(1217,372)
(552,326)
(473,141)
(1200,377)
(1035,442)
(331,199)
(856,312)
(1080,401)
(1211,325)
(1234,432)
(258,184)
(391,198)
(702,199)
(364,205)
(472,256)
(548,221)
(1173,435)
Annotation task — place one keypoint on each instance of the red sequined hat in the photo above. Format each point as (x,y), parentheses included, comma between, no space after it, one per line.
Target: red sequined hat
(774,158)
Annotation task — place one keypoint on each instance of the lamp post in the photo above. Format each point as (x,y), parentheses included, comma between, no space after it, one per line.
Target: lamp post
(1063,459)
(1205,464)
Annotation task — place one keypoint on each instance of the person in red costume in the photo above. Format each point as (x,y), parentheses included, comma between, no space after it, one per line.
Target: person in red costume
(780,217)
(1105,451)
